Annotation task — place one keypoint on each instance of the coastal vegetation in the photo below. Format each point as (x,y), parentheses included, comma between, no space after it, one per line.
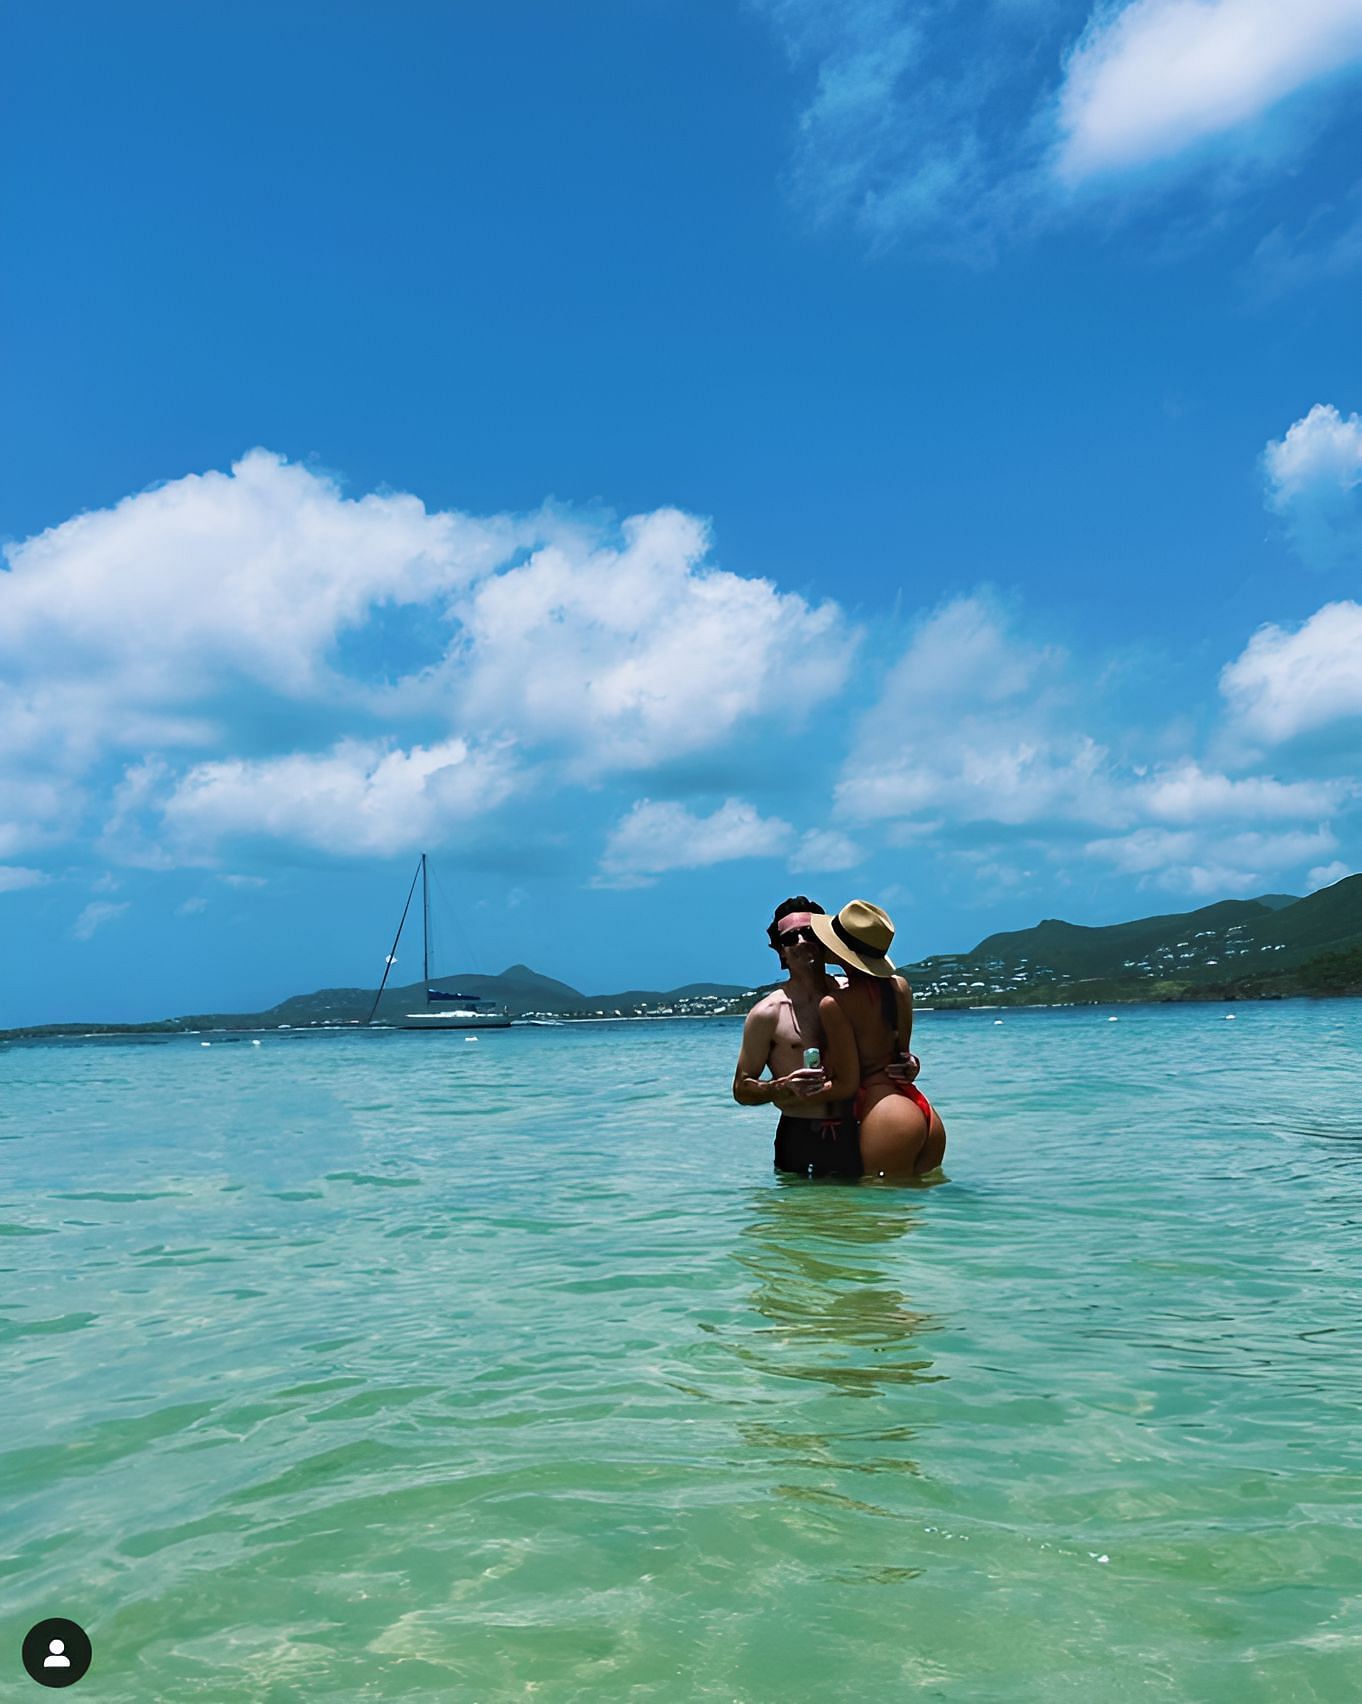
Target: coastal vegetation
(1273,947)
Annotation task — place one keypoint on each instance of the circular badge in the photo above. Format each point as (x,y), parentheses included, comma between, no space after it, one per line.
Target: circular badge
(57,1652)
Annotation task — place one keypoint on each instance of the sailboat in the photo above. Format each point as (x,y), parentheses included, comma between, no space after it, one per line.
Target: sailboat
(444,1011)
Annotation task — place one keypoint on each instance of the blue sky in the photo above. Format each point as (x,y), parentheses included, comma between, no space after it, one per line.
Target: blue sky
(659,458)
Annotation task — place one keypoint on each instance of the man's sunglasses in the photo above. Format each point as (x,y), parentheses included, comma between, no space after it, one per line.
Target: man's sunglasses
(804,934)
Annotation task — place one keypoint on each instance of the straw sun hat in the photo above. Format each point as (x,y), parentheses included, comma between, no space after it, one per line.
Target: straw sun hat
(859,935)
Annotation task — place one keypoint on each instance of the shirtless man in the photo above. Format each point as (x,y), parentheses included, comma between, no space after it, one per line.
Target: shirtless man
(815,1137)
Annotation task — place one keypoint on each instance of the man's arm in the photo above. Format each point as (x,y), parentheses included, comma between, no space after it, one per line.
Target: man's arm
(758,1032)
(790,1093)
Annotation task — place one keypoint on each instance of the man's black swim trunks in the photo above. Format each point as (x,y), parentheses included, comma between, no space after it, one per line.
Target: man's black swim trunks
(819,1147)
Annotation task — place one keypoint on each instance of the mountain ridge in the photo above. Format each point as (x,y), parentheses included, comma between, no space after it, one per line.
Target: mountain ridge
(1329,918)
(1248,947)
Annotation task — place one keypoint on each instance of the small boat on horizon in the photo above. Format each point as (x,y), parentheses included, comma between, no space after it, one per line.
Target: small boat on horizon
(444,1010)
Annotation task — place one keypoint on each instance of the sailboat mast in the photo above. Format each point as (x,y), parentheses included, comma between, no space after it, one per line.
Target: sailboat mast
(392,956)
(425,908)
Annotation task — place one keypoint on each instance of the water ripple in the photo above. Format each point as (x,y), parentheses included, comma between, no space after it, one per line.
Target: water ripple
(372,1368)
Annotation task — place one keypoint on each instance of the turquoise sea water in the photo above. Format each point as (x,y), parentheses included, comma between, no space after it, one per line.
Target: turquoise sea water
(361,1367)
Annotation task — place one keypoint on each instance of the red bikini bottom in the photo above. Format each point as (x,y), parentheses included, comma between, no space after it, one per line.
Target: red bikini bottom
(909,1090)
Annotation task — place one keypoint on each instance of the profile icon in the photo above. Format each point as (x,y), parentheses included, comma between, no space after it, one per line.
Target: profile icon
(57,1652)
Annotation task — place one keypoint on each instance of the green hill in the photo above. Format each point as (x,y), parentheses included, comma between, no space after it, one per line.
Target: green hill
(1269,944)
(1327,921)
(518,988)
(1071,950)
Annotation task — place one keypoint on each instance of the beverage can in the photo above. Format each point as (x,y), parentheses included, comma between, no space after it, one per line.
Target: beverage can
(812,1059)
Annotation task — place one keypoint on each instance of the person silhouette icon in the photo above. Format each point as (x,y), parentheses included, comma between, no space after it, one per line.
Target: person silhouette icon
(57,1652)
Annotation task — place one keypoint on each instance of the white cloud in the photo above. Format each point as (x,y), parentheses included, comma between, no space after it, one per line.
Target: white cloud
(1186,793)
(162,625)
(1291,681)
(1155,77)
(95,916)
(915,833)
(825,850)
(992,879)
(901,129)
(13,877)
(1325,875)
(641,652)
(973,724)
(254,572)
(356,798)
(224,626)
(1209,865)
(130,834)
(658,836)
(35,810)
(979,731)
(192,906)
(992,774)
(1314,480)
(967,120)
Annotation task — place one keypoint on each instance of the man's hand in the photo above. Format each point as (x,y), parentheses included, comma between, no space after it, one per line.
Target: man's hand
(808,1083)
(904,1069)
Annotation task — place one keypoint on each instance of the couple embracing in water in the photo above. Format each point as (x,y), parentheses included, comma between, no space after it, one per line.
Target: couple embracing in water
(857,1111)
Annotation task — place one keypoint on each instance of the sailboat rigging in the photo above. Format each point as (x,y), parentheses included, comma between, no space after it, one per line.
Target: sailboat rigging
(454,1011)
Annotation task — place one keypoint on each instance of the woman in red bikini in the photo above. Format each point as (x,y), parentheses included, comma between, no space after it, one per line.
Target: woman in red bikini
(868,1026)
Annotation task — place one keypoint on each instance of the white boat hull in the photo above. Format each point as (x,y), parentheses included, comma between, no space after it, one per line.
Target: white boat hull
(455,1020)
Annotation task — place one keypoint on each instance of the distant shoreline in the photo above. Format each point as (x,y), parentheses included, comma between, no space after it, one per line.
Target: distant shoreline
(287,1032)
(171,1031)
(1210,956)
